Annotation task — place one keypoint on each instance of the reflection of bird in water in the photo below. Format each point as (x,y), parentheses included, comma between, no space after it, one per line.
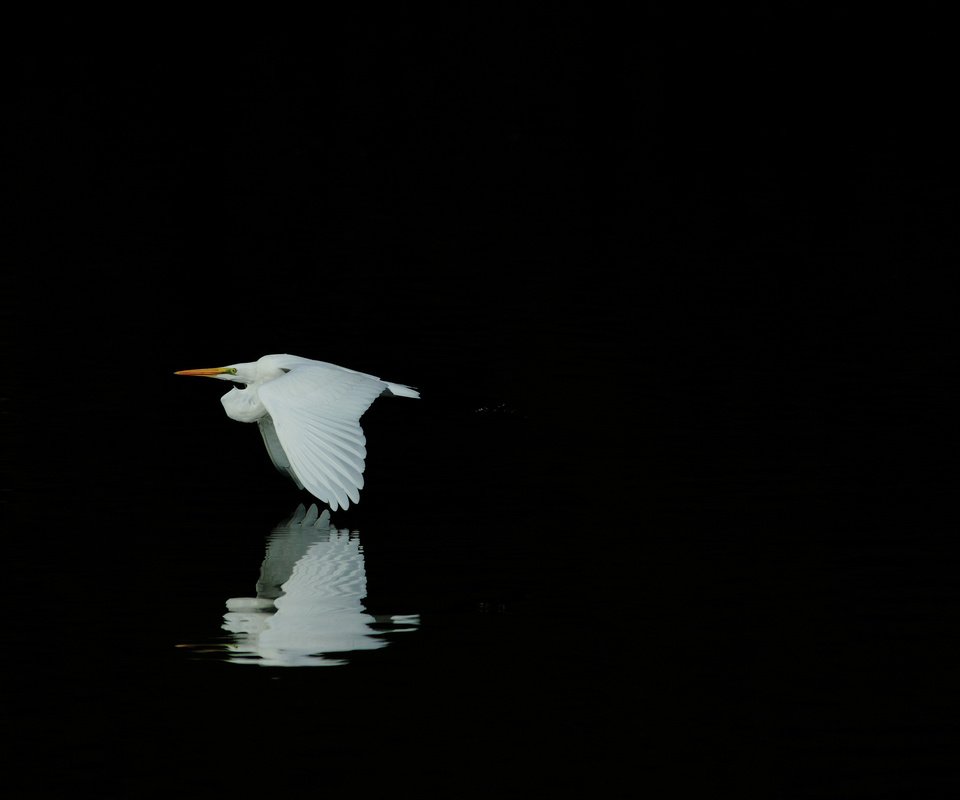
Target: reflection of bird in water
(309,415)
(309,598)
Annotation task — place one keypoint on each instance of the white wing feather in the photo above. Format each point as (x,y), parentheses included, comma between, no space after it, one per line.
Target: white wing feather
(316,409)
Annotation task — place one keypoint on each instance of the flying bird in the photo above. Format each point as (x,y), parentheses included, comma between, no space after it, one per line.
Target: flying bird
(309,414)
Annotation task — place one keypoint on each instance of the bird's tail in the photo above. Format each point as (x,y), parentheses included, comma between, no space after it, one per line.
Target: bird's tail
(399,390)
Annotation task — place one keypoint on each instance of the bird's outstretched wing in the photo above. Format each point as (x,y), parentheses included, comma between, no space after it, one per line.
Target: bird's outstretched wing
(316,410)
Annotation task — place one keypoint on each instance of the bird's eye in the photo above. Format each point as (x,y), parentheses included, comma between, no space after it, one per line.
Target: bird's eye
(232,370)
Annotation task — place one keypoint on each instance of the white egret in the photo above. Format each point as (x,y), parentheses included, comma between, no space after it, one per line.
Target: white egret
(309,415)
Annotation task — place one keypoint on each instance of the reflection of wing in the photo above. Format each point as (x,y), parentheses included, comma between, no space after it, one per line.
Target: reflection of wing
(321,608)
(316,412)
(286,545)
(309,598)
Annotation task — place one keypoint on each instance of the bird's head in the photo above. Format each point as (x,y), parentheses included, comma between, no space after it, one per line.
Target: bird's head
(238,373)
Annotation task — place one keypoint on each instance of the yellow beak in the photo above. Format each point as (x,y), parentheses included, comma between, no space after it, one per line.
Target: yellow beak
(210,372)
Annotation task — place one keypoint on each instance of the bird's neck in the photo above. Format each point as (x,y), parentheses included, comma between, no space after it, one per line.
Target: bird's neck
(243,405)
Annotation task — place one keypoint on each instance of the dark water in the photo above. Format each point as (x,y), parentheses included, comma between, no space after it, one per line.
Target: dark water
(740,632)
(449,651)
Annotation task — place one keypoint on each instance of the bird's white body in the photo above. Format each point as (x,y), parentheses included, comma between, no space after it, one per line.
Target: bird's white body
(309,415)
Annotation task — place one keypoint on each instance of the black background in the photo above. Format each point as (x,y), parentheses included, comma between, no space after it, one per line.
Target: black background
(676,298)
